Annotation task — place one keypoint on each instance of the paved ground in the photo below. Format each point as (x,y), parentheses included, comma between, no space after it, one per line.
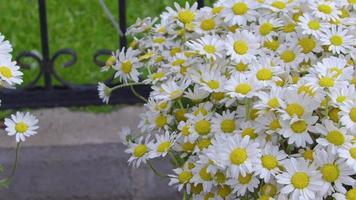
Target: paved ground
(76,156)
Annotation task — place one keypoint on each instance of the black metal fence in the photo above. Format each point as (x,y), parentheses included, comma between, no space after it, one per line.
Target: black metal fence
(66,94)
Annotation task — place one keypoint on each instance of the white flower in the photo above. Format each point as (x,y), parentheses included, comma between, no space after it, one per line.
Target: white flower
(171,90)
(342,95)
(224,123)
(161,145)
(240,86)
(239,11)
(124,135)
(139,151)
(349,195)
(242,46)
(238,155)
(197,94)
(348,115)
(210,46)
(325,10)
(104,92)
(181,178)
(301,180)
(21,125)
(310,25)
(271,160)
(127,64)
(338,40)
(5,48)
(244,183)
(10,73)
(349,154)
(333,137)
(335,173)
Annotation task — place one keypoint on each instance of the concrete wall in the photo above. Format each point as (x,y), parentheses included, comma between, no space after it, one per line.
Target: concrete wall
(77,156)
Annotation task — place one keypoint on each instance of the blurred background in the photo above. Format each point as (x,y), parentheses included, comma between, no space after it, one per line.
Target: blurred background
(76,154)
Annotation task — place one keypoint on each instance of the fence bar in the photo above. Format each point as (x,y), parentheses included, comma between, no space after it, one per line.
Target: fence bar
(122,22)
(200,3)
(46,63)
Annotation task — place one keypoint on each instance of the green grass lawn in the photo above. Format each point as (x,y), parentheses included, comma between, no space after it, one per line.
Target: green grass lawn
(77,24)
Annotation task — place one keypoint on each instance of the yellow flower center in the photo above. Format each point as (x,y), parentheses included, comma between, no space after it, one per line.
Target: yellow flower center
(140,150)
(196,189)
(330,172)
(307,44)
(279,4)
(21,127)
(109,62)
(186,16)
(228,125)
(245,179)
(299,126)
(163,147)
(239,8)
(273,103)
(288,28)
(271,44)
(352,114)
(5,71)
(266,28)
(336,40)
(159,40)
(179,114)
(175,94)
(353,152)
(269,190)
(174,51)
(287,56)
(203,127)
(220,177)
(351,194)
(295,109)
(264,74)
(204,143)
(241,67)
(213,84)
(300,180)
(217,10)
(336,71)
(201,110)
(326,82)
(207,24)
(126,67)
(314,24)
(205,175)
(158,75)
(250,132)
(217,96)
(326,9)
(185,176)
(335,137)
(340,99)
(209,49)
(238,156)
(187,146)
(306,89)
(185,130)
(160,121)
(178,62)
(308,154)
(243,88)
(274,125)
(240,47)
(224,191)
(334,114)
(269,162)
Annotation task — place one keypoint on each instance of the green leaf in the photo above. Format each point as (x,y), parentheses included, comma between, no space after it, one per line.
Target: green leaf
(4,183)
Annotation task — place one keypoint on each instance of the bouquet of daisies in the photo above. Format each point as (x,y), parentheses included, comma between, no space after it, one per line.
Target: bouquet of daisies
(20,125)
(250,99)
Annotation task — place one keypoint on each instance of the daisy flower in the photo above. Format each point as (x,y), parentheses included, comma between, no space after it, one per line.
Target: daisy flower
(297,130)
(161,145)
(210,46)
(196,94)
(225,122)
(127,64)
(271,160)
(201,125)
(267,26)
(210,79)
(10,73)
(244,183)
(184,15)
(312,26)
(296,105)
(289,56)
(333,137)
(349,195)
(21,125)
(171,90)
(206,21)
(348,115)
(271,100)
(139,151)
(301,180)
(181,178)
(349,154)
(203,176)
(5,48)
(335,173)
(325,10)
(237,154)
(240,86)
(242,46)
(104,92)
(337,39)
(239,11)
(270,123)
(265,72)
(343,94)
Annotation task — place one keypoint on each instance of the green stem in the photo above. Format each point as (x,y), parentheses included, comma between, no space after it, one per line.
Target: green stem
(137,94)
(126,85)
(149,70)
(185,196)
(247,108)
(155,170)
(180,103)
(176,163)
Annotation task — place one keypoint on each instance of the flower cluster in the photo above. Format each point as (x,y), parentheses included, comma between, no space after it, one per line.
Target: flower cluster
(250,99)
(21,125)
